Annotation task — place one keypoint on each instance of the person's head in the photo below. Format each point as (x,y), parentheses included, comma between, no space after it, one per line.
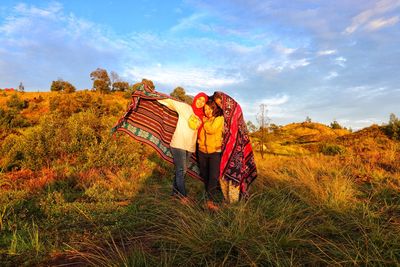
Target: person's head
(218,99)
(200,100)
(211,109)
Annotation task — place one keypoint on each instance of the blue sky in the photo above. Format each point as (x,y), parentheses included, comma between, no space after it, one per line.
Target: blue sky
(328,60)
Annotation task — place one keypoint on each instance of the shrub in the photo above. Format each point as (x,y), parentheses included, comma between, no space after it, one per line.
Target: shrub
(64,105)
(82,140)
(13,156)
(332,149)
(17,103)
(69,104)
(37,147)
(12,119)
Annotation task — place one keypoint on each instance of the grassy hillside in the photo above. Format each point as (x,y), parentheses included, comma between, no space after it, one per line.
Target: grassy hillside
(307,132)
(72,194)
(298,138)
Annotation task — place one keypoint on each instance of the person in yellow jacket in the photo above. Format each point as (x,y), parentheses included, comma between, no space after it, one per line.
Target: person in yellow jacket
(209,150)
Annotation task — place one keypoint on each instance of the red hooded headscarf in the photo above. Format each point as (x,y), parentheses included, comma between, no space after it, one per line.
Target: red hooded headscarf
(199,111)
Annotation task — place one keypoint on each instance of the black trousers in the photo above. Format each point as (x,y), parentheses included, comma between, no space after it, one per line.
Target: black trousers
(209,171)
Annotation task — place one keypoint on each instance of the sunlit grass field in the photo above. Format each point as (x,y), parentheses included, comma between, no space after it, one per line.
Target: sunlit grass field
(73,195)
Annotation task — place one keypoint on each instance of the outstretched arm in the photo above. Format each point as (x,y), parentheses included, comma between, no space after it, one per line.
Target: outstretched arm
(168,103)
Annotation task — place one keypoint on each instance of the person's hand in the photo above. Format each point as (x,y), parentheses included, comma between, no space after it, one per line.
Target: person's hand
(194,122)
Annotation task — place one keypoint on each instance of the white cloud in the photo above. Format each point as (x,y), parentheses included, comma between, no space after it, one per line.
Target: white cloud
(50,12)
(242,49)
(279,66)
(186,77)
(186,23)
(275,107)
(364,18)
(340,61)
(367,92)
(299,63)
(275,101)
(365,121)
(284,50)
(268,66)
(359,124)
(381,23)
(326,52)
(331,75)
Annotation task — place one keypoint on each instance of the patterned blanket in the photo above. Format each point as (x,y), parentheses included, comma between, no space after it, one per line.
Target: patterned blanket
(237,162)
(150,122)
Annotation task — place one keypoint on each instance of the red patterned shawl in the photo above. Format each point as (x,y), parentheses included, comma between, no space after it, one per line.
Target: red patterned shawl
(237,163)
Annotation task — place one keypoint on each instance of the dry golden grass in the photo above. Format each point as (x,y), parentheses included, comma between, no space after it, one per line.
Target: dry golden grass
(318,180)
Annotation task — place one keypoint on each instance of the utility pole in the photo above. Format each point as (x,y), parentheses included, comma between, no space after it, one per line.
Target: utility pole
(263,122)
(21,87)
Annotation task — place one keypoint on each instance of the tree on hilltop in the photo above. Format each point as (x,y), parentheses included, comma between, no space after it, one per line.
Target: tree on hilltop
(120,86)
(68,87)
(117,84)
(393,127)
(62,86)
(180,93)
(335,125)
(101,80)
(56,86)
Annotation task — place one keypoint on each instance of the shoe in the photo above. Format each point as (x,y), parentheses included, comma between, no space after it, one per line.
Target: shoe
(211,206)
(185,201)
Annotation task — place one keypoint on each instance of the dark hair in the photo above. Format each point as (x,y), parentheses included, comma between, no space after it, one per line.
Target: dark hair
(217,111)
(217,95)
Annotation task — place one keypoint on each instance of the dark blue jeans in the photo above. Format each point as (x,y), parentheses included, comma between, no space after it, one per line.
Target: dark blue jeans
(209,171)
(181,162)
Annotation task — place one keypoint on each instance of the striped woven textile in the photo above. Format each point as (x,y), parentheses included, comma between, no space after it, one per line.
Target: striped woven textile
(150,122)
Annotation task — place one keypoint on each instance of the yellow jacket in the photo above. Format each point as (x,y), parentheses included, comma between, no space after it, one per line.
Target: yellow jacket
(210,136)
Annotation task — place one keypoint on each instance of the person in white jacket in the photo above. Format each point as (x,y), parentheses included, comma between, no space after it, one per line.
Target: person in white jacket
(183,142)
